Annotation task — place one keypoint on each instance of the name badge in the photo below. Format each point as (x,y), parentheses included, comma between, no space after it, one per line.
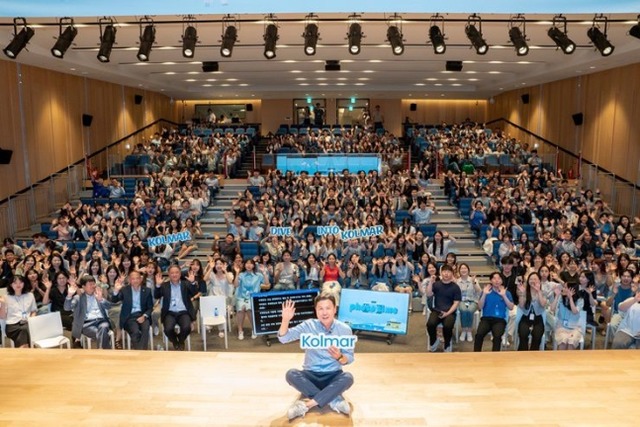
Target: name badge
(173,302)
(565,323)
(24,315)
(532,316)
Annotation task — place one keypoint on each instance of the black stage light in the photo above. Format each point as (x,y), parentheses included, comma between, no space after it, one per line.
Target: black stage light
(437,40)
(107,40)
(635,30)
(562,40)
(147,39)
(189,40)
(228,41)
(395,38)
(65,38)
(519,41)
(355,38)
(310,39)
(475,37)
(599,40)
(20,39)
(270,39)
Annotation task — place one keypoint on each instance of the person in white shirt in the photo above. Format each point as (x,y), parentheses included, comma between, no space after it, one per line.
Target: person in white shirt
(16,308)
(628,333)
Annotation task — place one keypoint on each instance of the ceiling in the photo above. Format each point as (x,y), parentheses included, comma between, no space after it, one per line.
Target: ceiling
(375,72)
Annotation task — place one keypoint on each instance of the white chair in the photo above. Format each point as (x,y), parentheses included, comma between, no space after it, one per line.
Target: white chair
(177,329)
(3,334)
(127,339)
(213,312)
(45,331)
(86,341)
(583,328)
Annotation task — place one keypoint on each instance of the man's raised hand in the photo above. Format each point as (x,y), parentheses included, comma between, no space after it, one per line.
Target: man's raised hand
(288,310)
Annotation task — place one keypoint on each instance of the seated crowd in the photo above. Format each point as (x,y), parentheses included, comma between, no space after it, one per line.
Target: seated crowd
(576,259)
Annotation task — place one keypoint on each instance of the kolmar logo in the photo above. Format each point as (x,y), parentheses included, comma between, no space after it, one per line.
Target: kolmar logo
(320,341)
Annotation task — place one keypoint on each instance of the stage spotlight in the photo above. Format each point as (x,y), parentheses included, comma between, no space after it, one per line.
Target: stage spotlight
(437,40)
(355,38)
(270,39)
(519,41)
(20,39)
(310,39)
(65,38)
(189,40)
(599,40)
(635,30)
(562,40)
(228,41)
(147,38)
(395,38)
(107,40)
(475,36)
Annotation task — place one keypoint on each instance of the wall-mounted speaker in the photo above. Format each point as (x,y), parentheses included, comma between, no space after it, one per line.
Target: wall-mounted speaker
(137,99)
(578,119)
(5,156)
(86,120)
(413,107)
(453,66)
(248,107)
(210,67)
(525,98)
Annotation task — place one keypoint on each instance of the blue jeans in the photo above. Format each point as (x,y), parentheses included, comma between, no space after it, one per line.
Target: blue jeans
(322,387)
(466,313)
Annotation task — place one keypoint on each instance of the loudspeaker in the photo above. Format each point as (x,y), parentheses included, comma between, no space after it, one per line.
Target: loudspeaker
(332,65)
(86,120)
(210,66)
(248,107)
(578,118)
(137,99)
(413,107)
(453,66)
(5,156)
(525,98)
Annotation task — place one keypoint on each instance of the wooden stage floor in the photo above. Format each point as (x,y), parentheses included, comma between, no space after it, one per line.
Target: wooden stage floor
(134,388)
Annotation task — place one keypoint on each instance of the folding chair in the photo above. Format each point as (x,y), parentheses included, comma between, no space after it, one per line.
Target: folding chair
(45,331)
(213,312)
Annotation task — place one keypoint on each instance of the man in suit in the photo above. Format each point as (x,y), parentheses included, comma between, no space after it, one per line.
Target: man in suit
(137,305)
(89,309)
(177,308)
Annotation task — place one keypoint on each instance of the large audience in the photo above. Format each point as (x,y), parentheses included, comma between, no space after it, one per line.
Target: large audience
(565,260)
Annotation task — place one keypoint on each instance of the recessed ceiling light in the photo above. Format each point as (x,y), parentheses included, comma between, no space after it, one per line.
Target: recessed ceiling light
(232,80)
(303,84)
(452,79)
(340,84)
(190,72)
(342,78)
(360,84)
(244,84)
(290,61)
(473,80)
(190,80)
(456,84)
(322,84)
(419,84)
(495,72)
(72,69)
(300,79)
(375,61)
(321,78)
(170,73)
(207,85)
(368,71)
(432,79)
(363,78)
(169,63)
(225,84)
(438,84)
(295,71)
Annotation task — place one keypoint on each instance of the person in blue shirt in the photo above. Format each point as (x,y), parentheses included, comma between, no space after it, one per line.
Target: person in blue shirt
(321,380)
(495,303)
(247,282)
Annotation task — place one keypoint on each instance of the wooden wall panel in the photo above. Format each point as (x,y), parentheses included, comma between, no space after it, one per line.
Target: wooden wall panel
(11,175)
(611,108)
(433,111)
(52,105)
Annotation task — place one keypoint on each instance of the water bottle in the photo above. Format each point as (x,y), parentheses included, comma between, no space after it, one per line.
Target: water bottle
(215,312)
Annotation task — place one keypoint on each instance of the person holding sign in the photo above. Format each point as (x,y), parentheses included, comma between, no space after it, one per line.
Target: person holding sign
(321,380)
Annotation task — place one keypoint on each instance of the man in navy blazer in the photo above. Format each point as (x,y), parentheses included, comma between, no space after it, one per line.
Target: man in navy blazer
(177,307)
(137,305)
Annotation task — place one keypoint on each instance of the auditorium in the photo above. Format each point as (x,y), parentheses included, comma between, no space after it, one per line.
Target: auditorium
(249,213)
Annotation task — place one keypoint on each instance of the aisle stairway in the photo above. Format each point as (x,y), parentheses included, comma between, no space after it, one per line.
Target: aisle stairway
(466,247)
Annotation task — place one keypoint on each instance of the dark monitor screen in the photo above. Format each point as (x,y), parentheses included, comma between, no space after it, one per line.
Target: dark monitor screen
(266,309)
